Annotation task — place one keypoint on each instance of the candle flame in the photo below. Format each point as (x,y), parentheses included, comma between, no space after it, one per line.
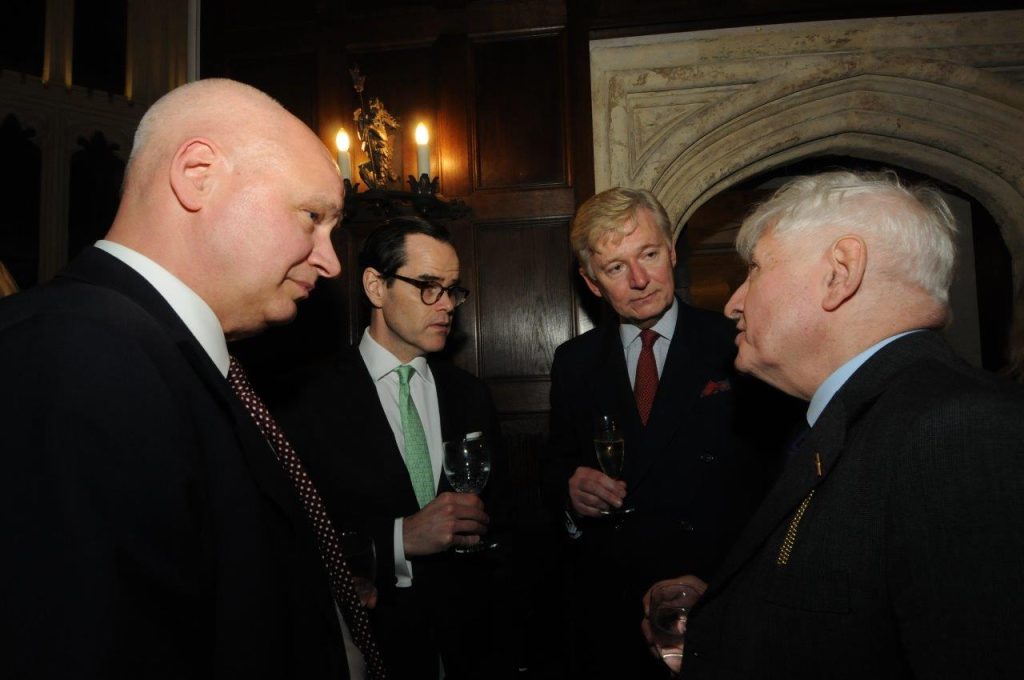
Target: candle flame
(342,140)
(422,136)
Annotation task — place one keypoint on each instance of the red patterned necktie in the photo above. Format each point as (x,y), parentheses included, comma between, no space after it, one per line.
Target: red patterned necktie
(646,375)
(326,536)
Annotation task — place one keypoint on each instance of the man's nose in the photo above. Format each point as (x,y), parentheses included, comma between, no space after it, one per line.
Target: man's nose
(638,277)
(323,258)
(734,307)
(445,302)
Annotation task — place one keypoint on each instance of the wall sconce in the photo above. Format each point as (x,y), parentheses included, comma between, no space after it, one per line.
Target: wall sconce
(374,128)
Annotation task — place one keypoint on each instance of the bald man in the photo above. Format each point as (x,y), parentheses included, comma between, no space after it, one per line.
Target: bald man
(147,527)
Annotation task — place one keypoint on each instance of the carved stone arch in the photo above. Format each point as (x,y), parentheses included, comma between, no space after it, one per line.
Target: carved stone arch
(956,123)
(688,115)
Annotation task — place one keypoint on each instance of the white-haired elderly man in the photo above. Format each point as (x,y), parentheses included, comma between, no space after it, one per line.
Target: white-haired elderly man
(893,543)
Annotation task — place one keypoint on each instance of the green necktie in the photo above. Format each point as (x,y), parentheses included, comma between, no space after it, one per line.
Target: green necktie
(417,456)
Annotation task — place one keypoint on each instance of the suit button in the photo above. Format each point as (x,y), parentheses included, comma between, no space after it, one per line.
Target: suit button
(707,458)
(686,525)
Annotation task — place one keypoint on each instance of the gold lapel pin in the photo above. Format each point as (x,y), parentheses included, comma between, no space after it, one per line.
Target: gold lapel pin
(817,462)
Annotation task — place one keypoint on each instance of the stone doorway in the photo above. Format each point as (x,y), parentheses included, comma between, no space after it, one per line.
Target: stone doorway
(692,116)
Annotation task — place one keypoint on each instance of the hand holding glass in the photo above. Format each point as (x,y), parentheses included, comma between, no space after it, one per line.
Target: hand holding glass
(610,448)
(467,465)
(670,605)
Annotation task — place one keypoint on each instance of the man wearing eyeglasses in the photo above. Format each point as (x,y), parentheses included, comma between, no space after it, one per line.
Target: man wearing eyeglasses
(370,428)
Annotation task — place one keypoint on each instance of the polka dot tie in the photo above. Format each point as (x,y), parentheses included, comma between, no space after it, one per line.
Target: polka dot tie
(646,375)
(326,536)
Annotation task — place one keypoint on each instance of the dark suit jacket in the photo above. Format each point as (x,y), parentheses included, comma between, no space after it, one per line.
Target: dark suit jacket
(690,476)
(338,426)
(148,529)
(908,558)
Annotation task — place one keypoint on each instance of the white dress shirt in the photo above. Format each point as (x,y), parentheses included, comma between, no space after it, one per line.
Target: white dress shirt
(186,303)
(381,365)
(632,344)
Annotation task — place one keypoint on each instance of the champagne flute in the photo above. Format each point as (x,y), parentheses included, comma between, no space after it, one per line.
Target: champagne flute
(610,448)
(467,465)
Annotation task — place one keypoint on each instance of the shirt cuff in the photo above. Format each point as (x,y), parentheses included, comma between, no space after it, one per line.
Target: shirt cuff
(403,568)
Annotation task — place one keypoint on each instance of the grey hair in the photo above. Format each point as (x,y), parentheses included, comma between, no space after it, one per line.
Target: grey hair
(912,225)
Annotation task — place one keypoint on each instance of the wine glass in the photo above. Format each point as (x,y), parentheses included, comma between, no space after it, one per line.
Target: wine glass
(361,558)
(610,448)
(670,604)
(467,465)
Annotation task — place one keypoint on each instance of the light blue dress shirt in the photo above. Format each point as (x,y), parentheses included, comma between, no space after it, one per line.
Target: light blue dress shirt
(823,395)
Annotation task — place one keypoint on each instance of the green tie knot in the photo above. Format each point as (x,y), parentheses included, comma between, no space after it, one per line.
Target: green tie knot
(405,372)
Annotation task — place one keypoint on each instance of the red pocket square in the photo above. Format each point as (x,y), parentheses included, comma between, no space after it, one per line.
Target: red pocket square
(715,386)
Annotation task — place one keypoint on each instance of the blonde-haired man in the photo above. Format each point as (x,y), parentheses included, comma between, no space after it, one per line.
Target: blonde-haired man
(663,371)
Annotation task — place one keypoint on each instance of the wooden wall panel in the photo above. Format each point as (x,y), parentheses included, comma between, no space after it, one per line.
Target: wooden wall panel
(453,122)
(524,437)
(520,111)
(261,14)
(526,296)
(289,78)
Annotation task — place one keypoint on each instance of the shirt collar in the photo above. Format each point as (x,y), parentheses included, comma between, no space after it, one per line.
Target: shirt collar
(823,395)
(665,327)
(380,362)
(186,303)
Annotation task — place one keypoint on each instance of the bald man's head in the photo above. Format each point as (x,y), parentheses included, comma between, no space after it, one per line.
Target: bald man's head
(234,196)
(240,117)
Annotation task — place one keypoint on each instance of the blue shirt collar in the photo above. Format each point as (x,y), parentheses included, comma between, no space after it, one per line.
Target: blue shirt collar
(823,395)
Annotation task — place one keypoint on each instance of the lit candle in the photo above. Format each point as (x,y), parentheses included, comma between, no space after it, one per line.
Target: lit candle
(422,150)
(344,161)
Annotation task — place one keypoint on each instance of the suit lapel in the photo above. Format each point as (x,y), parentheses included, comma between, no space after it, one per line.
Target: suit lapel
(366,408)
(99,268)
(826,442)
(376,436)
(798,478)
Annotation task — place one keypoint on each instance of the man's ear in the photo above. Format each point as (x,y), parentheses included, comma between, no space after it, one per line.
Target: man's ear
(373,286)
(193,171)
(590,283)
(848,259)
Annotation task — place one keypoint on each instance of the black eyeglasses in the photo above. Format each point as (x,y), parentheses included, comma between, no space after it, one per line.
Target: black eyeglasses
(431,291)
